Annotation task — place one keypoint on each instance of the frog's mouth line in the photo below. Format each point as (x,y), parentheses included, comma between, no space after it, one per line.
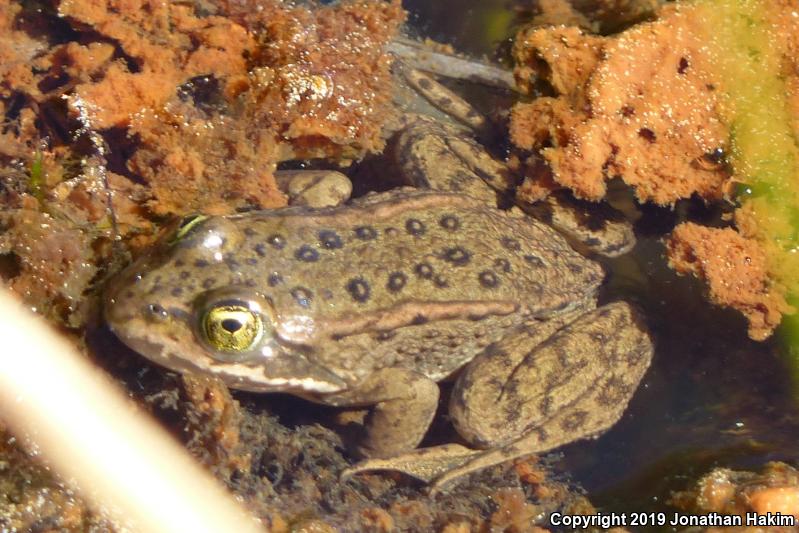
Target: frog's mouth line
(292,374)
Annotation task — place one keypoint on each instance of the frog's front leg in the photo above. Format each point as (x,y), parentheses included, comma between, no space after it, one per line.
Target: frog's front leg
(401,404)
(537,389)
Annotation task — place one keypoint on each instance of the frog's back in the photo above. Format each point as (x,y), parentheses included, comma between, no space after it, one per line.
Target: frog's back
(411,248)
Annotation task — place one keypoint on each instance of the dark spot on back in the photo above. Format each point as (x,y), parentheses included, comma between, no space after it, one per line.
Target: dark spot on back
(208,283)
(276,241)
(444,102)
(250,282)
(488,279)
(358,289)
(249,232)
(330,239)
(502,264)
(185,274)
(449,222)
(627,111)
(307,254)
(392,232)
(177,291)
(424,83)
(201,263)
(510,243)
(424,270)
(457,255)
(366,233)
(231,263)
(302,296)
(260,249)
(274,279)
(396,281)
(418,320)
(441,282)
(251,261)
(179,263)
(575,268)
(415,227)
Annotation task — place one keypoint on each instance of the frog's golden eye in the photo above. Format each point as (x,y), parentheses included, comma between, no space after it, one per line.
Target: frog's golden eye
(186,225)
(232,327)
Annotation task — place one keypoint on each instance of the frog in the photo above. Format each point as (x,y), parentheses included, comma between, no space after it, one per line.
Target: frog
(372,304)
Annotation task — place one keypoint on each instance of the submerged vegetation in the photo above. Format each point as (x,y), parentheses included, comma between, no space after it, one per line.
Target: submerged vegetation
(750,54)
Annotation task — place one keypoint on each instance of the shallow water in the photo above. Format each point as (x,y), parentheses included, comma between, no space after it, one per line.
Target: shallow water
(712,398)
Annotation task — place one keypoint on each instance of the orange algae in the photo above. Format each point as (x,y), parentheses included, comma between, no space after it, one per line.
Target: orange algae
(735,269)
(639,105)
(213,101)
(698,102)
(155,108)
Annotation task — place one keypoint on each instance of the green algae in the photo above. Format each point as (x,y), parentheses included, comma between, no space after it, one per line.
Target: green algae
(36,178)
(764,155)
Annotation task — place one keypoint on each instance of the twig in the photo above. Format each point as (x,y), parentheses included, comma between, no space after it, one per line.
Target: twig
(90,433)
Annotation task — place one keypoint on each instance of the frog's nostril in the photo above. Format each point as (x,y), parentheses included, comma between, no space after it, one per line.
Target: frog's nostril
(157,312)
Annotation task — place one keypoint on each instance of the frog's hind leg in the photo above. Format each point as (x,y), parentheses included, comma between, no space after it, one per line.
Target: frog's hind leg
(537,389)
(534,392)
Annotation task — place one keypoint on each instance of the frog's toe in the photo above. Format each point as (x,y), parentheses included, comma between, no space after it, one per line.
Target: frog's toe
(478,461)
(425,464)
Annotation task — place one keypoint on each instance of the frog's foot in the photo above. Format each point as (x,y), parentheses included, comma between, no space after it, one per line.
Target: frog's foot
(432,155)
(444,99)
(595,227)
(425,464)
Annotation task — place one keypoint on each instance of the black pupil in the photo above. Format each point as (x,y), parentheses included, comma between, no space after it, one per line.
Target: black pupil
(231,325)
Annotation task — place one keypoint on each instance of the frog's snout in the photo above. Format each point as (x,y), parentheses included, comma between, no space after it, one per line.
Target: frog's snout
(121,302)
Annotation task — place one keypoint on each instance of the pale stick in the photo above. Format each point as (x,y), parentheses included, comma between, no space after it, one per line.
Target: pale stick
(96,438)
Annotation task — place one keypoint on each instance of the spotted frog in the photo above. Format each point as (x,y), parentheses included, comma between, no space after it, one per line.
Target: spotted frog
(373,303)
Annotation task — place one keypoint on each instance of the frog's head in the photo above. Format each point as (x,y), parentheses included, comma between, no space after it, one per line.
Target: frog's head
(166,307)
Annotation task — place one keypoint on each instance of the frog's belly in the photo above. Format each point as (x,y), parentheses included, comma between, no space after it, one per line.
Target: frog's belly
(435,349)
